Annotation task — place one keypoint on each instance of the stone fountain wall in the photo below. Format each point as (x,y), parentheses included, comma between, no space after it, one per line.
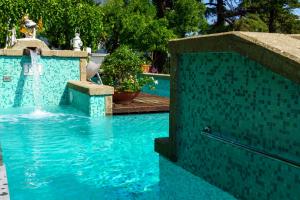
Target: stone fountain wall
(58,67)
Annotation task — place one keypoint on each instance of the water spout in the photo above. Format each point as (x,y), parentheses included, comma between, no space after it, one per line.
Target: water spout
(36,85)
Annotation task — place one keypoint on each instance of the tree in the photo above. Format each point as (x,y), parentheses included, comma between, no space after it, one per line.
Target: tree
(225,12)
(187,16)
(277,14)
(250,22)
(136,26)
(60,18)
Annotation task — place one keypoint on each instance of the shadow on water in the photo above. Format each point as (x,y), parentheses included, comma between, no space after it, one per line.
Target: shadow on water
(19,93)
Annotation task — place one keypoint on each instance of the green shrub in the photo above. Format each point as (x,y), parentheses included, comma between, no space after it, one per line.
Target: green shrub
(122,70)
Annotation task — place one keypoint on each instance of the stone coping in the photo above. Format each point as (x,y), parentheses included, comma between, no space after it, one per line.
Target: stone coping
(163,76)
(297,36)
(30,43)
(46,53)
(278,52)
(99,54)
(91,89)
(4,192)
(25,43)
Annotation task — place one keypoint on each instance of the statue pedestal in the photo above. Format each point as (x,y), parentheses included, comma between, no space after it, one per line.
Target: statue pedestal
(30,43)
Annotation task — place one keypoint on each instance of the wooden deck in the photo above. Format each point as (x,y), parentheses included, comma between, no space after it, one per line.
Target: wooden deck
(144,103)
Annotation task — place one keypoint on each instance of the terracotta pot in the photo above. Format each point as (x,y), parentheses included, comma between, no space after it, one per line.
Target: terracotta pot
(124,97)
(146,68)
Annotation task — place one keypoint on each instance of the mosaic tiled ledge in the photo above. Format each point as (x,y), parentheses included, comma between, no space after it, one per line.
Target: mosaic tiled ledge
(94,100)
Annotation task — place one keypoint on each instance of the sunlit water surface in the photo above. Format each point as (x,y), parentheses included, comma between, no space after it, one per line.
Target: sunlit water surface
(62,154)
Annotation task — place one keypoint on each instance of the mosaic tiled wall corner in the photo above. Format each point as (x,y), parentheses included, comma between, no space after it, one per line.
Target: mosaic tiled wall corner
(243,101)
(94,106)
(56,73)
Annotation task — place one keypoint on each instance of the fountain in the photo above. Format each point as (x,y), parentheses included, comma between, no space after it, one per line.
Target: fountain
(33,75)
(36,85)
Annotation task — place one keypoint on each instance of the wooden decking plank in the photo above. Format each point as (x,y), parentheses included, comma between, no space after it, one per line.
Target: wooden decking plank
(144,103)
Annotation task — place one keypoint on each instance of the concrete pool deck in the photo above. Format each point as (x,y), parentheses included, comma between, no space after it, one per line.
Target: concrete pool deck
(4,193)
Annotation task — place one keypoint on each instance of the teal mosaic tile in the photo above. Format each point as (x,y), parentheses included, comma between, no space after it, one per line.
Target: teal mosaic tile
(244,174)
(18,92)
(185,185)
(239,99)
(94,106)
(97,106)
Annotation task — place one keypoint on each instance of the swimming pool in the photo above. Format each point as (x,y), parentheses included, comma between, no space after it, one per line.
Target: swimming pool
(64,154)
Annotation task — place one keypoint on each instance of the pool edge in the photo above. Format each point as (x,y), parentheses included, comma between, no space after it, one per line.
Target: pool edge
(4,192)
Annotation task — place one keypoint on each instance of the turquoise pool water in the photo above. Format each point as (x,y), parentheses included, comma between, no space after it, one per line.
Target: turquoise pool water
(66,155)
(62,154)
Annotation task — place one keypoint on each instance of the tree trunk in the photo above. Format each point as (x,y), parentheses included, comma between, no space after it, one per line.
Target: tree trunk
(271,23)
(159,60)
(220,13)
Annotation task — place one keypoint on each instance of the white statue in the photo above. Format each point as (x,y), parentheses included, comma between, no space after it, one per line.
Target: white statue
(76,42)
(11,38)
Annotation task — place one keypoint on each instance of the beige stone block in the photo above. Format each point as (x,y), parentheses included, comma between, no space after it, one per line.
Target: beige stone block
(108,105)
(30,43)
(13,52)
(83,64)
(90,88)
(80,54)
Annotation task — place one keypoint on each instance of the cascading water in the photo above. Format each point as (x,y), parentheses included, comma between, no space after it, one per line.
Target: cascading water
(36,84)
(36,88)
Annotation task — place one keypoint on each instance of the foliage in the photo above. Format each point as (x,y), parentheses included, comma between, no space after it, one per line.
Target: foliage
(134,25)
(278,15)
(252,15)
(60,18)
(122,70)
(250,22)
(155,36)
(187,16)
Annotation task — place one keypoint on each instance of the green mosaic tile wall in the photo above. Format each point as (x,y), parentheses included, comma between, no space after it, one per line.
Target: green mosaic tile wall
(94,106)
(56,73)
(241,100)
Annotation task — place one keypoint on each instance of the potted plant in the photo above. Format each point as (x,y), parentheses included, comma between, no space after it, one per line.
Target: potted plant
(122,70)
(146,66)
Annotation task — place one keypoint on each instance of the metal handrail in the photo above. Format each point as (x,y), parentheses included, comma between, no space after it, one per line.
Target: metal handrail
(250,148)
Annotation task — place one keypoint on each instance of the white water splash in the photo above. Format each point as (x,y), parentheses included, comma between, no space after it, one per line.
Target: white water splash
(39,114)
(36,80)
